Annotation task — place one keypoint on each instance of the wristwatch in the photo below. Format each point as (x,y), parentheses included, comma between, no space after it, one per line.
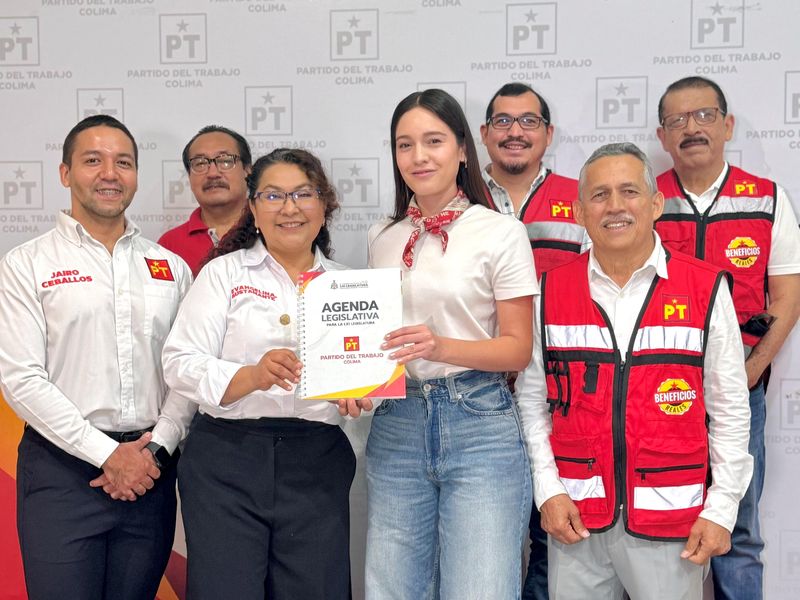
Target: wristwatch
(160,454)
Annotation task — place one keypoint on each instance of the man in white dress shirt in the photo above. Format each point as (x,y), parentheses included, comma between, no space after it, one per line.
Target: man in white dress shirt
(638,440)
(85,309)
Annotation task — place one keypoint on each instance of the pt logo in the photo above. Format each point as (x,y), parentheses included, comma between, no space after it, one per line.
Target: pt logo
(268,110)
(356,180)
(354,34)
(159,269)
(621,102)
(351,344)
(676,308)
(561,209)
(790,406)
(716,24)
(176,192)
(108,101)
(22,185)
(183,38)
(19,41)
(790,554)
(531,28)
(457,89)
(745,188)
(792,97)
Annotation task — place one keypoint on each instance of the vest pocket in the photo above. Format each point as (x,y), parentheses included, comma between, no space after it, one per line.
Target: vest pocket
(580,473)
(577,385)
(668,481)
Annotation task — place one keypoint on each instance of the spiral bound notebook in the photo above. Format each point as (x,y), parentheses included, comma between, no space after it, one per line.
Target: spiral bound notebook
(342,318)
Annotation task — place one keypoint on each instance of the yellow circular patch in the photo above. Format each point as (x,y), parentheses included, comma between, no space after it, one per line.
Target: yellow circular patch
(675,396)
(742,252)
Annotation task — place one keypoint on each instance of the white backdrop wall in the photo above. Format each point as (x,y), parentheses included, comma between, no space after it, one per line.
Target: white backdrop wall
(326,75)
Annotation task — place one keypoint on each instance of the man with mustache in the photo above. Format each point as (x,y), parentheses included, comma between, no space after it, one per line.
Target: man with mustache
(84,310)
(744,224)
(217,161)
(516,133)
(638,435)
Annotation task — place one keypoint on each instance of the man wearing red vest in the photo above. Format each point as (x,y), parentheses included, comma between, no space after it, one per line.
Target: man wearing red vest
(516,133)
(639,439)
(744,224)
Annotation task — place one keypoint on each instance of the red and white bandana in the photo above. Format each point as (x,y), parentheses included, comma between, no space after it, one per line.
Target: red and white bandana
(433,224)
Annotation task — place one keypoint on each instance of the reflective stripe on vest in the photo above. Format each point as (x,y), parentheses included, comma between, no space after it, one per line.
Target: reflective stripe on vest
(567,232)
(671,497)
(669,338)
(647,338)
(579,336)
(581,489)
(723,205)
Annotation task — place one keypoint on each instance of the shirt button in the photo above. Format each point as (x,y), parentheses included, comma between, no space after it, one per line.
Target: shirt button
(426,387)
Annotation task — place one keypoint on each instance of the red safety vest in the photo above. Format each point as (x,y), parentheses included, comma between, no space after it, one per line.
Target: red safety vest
(629,425)
(735,233)
(548,216)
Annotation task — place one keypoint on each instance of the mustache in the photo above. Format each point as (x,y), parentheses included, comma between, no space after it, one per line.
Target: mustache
(515,140)
(218,183)
(693,140)
(620,218)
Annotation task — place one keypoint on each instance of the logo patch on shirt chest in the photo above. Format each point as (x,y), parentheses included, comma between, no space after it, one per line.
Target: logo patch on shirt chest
(561,209)
(159,269)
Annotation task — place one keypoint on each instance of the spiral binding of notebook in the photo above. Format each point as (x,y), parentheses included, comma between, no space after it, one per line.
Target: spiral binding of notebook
(302,281)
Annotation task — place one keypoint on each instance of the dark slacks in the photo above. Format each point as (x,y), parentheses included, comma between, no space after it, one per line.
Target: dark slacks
(76,541)
(535,586)
(265,505)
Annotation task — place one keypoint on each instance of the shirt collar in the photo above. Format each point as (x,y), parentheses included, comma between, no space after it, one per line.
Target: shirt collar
(76,233)
(657,262)
(714,187)
(195,222)
(258,254)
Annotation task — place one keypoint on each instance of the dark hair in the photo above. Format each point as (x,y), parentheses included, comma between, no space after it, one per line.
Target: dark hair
(446,108)
(244,147)
(692,82)
(518,89)
(88,123)
(244,234)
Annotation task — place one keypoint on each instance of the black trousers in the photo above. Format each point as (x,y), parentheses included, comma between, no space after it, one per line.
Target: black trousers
(76,541)
(265,505)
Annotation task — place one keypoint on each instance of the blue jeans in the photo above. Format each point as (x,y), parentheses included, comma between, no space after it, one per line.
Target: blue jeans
(738,574)
(449,489)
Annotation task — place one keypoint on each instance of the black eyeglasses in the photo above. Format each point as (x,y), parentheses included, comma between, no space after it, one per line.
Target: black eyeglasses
(273,200)
(507,121)
(701,116)
(224,162)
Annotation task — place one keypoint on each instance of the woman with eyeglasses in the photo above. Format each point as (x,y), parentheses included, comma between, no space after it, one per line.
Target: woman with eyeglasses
(265,477)
(449,483)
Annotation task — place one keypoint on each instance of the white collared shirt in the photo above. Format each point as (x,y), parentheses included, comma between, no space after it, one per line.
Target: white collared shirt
(724,388)
(82,336)
(455,293)
(242,305)
(501,197)
(784,255)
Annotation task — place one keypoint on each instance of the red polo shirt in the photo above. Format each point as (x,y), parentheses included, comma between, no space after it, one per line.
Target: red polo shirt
(190,241)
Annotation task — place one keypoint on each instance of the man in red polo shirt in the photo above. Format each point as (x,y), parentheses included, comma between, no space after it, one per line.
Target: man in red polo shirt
(217,160)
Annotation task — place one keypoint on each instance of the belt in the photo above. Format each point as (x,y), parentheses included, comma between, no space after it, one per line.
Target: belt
(127,436)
